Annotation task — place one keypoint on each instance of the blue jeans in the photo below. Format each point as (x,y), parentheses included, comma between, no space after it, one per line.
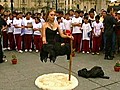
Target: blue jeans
(113,42)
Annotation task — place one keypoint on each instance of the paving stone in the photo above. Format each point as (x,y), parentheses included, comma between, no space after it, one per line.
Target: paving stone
(22,75)
(115,86)
(102,88)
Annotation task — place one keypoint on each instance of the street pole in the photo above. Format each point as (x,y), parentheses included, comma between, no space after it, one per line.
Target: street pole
(65,6)
(56,5)
(48,5)
(11,6)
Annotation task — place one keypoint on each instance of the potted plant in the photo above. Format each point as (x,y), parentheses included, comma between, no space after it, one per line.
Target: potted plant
(14,59)
(117,66)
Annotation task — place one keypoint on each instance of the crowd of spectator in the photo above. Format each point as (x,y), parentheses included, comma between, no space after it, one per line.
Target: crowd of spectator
(92,32)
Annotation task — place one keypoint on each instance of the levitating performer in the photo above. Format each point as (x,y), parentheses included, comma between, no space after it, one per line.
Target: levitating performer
(51,48)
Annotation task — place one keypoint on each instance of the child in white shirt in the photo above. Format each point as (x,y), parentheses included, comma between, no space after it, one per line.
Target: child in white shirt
(17,32)
(67,23)
(10,33)
(97,31)
(62,27)
(37,34)
(28,32)
(76,32)
(86,28)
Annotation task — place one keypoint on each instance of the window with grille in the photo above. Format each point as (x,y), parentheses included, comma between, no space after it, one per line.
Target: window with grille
(5,0)
(23,1)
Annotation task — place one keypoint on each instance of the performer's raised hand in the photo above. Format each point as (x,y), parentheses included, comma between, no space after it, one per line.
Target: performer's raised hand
(71,37)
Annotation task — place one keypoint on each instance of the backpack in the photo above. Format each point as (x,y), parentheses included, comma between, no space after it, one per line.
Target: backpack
(95,72)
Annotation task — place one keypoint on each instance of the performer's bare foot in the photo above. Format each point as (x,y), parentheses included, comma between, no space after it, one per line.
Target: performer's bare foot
(52,59)
(45,60)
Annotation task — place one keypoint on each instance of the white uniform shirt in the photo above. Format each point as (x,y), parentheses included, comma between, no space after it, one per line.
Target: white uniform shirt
(55,20)
(76,29)
(97,28)
(17,22)
(72,17)
(67,24)
(86,29)
(62,27)
(11,28)
(25,23)
(37,26)
(62,19)
(42,20)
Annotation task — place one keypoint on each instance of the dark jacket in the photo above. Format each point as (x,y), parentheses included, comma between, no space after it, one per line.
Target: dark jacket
(2,23)
(109,23)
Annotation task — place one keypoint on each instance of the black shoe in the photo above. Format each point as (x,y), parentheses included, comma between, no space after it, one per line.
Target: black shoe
(106,57)
(4,60)
(110,58)
(4,56)
(113,56)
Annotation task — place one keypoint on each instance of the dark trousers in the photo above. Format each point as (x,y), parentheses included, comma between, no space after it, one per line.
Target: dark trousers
(85,45)
(96,44)
(118,42)
(108,45)
(18,40)
(38,42)
(77,41)
(113,42)
(11,41)
(28,41)
(1,52)
(5,39)
(23,45)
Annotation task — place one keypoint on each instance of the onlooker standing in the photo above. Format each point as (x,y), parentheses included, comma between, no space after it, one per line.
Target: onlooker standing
(118,31)
(10,33)
(1,24)
(28,25)
(86,28)
(91,20)
(71,13)
(37,34)
(67,23)
(102,47)
(77,33)
(97,32)
(62,28)
(109,21)
(4,33)
(17,32)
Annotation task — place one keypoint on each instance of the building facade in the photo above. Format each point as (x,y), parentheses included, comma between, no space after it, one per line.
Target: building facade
(38,5)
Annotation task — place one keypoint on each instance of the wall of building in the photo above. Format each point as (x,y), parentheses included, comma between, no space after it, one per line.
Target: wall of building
(37,5)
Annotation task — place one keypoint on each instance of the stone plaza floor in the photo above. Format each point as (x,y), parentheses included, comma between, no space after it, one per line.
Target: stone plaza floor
(22,75)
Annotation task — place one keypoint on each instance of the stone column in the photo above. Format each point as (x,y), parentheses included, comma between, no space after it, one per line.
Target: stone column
(66,5)
(104,4)
(70,4)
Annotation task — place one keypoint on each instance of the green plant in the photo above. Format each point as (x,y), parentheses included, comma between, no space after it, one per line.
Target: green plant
(117,64)
(14,56)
